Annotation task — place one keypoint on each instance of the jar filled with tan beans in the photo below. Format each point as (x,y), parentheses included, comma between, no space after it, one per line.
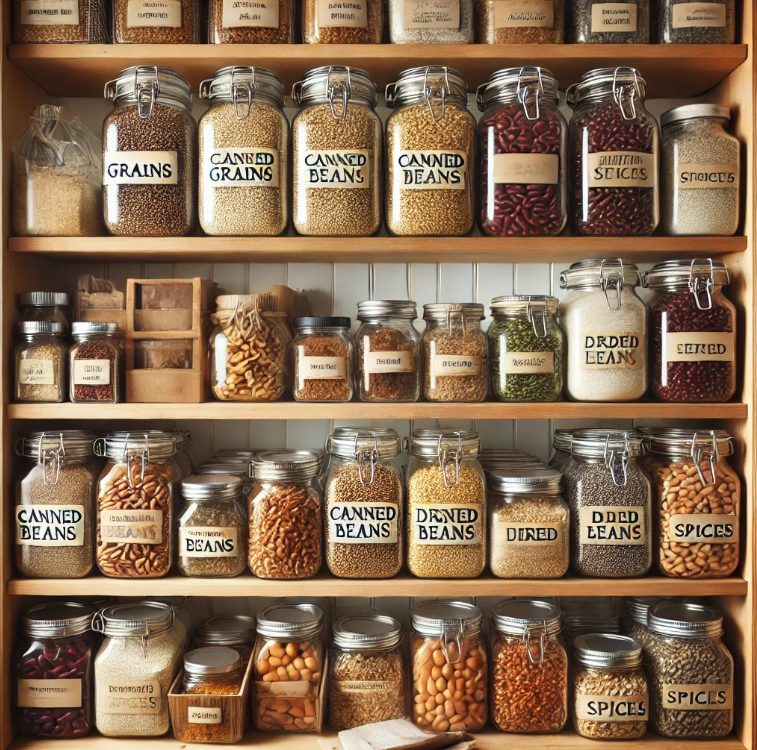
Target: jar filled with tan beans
(449,667)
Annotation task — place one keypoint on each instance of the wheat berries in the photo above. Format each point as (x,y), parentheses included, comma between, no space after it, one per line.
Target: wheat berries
(41,362)
(323,359)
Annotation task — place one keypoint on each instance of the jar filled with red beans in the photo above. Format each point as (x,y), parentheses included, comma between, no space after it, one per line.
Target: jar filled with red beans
(693,336)
(613,144)
(523,142)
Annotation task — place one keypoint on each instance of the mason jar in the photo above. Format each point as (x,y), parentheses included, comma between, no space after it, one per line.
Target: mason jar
(212,670)
(613,142)
(96,362)
(708,22)
(523,141)
(234,631)
(49,307)
(636,617)
(266,22)
(41,362)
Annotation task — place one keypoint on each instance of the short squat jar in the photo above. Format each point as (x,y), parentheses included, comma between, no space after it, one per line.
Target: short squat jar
(430,154)
(443,22)
(41,362)
(685,22)
(170,22)
(355,22)
(96,362)
(149,154)
(516,22)
(212,670)
(602,22)
(233,631)
(50,307)
(251,22)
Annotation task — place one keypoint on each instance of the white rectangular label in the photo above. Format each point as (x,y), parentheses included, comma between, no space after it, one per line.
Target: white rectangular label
(262,14)
(454,365)
(696,176)
(613,524)
(517,14)
(697,697)
(362,523)
(91,372)
(447,524)
(431,170)
(204,715)
(343,13)
(320,368)
(131,526)
(242,167)
(699,347)
(36,372)
(49,13)
(50,525)
(141,168)
(432,14)
(624,169)
(705,528)
(208,541)
(612,351)
(384,362)
(528,363)
(336,169)
(49,693)
(526,169)
(700,15)
(612,707)
(143,13)
(509,534)
(138,697)
(617,17)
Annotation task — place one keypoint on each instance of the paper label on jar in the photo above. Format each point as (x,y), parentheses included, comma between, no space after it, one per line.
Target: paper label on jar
(611,524)
(364,686)
(49,693)
(242,167)
(430,170)
(507,533)
(141,168)
(383,362)
(623,169)
(49,13)
(141,13)
(204,715)
(697,176)
(319,368)
(433,14)
(706,528)
(297,689)
(345,169)
(138,697)
(691,346)
(343,13)
(208,541)
(36,372)
(697,697)
(91,371)
(617,17)
(131,526)
(262,14)
(528,363)
(447,524)
(454,365)
(526,169)
(612,707)
(50,525)
(700,15)
(530,14)
(612,351)
(362,523)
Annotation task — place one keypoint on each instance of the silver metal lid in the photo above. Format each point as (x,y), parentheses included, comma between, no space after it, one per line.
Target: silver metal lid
(211,660)
(697,276)
(432,84)
(606,651)
(233,455)
(211,487)
(562,440)
(149,444)
(387,308)
(529,84)
(56,446)
(624,83)
(443,311)
(227,630)
(44,299)
(147,85)
(638,607)
(57,619)
(242,85)
(444,442)
(367,443)
(525,481)
(615,447)
(31,327)
(369,632)
(534,307)
(86,328)
(608,274)
(235,468)
(446,618)
(337,85)
(137,620)
(526,617)
(685,620)
(695,111)
(282,621)
(286,464)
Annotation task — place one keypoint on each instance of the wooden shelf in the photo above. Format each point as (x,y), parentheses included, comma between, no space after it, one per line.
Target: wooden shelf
(676,71)
(371,249)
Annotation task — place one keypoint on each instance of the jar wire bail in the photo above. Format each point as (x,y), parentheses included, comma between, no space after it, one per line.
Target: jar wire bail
(147,92)
(529,630)
(366,458)
(700,454)
(523,92)
(446,456)
(616,458)
(346,91)
(626,94)
(453,633)
(700,285)
(242,88)
(430,92)
(536,313)
(611,274)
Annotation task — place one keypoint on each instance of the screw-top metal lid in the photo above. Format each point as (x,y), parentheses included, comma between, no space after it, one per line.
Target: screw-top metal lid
(327,321)
(147,85)
(638,607)
(337,85)
(211,660)
(525,481)
(529,84)
(442,618)
(373,443)
(227,630)
(242,85)
(695,111)
(606,651)
(387,308)
(150,444)
(433,84)
(286,464)
(86,328)
(282,621)
(233,456)
(523,617)
(30,327)
(685,620)
(134,620)
(697,276)
(443,311)
(44,299)
(57,619)
(211,487)
(369,632)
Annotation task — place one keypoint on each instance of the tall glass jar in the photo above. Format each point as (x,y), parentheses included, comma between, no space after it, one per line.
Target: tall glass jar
(613,144)
(605,325)
(523,140)
(602,22)
(442,22)
(529,667)
(287,696)
(446,505)
(693,331)
(516,22)
(149,154)
(41,362)
(52,669)
(243,153)
(63,22)
(285,515)
(336,154)
(356,22)
(212,670)
(142,22)
(55,504)
(446,644)
(266,22)
(234,631)
(96,361)
(430,153)
(707,22)
(50,307)
(454,352)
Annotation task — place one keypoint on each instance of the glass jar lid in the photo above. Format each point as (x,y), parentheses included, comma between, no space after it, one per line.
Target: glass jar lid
(339,322)
(32,327)
(526,617)
(134,620)
(695,112)
(529,84)
(147,85)
(297,621)
(525,481)
(535,308)
(210,661)
(606,651)
(387,308)
(211,487)
(493,463)
(697,276)
(608,274)
(233,456)
(242,85)
(151,444)
(286,464)
(624,84)
(57,619)
(445,311)
(336,85)
(432,84)
(685,620)
(227,630)
(44,299)
(446,618)
(372,442)
(87,328)
(369,632)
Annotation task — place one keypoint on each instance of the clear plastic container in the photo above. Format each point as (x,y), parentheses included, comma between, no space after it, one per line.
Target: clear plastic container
(41,362)
(323,352)
(97,366)
(267,22)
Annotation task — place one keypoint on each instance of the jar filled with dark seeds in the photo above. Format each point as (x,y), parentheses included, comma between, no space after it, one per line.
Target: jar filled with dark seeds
(60,22)
(41,362)
(519,22)
(602,22)
(251,22)
(701,22)
(149,154)
(164,22)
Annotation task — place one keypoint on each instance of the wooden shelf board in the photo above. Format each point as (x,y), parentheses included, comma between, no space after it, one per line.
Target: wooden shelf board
(371,249)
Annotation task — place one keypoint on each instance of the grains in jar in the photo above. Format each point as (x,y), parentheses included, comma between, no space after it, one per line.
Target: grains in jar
(147,22)
(41,362)
(706,22)
(248,22)
(519,22)
(97,365)
(212,670)
(323,359)
(62,22)
(340,22)
(440,22)
(600,22)
(636,617)
(234,631)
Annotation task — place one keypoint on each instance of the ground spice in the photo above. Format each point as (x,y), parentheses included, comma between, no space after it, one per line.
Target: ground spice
(100,351)
(230,22)
(355,22)
(708,22)
(517,22)
(417,22)
(182,22)
(387,386)
(90,27)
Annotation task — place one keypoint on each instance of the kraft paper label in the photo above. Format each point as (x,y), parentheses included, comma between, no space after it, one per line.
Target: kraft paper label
(139,697)
(447,524)
(362,523)
(131,526)
(208,541)
(49,693)
(36,372)
(250,13)
(454,365)
(690,15)
(617,17)
(91,372)
(320,368)
(434,14)
(430,170)
(141,168)
(298,689)
(140,13)
(612,707)
(50,525)
(516,14)
(528,363)
(242,167)
(204,715)
(336,169)
(624,169)
(612,351)
(697,697)
(699,347)
(527,169)
(706,176)
(610,524)
(383,362)
(365,686)
(527,534)
(343,13)
(49,13)
(707,528)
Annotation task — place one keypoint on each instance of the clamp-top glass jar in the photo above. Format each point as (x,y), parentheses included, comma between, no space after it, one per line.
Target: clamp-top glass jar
(523,140)
(49,307)
(582,615)
(613,144)
(96,361)
(430,154)
(336,153)
(149,154)
(41,362)
(693,331)
(234,631)
(144,22)
(266,22)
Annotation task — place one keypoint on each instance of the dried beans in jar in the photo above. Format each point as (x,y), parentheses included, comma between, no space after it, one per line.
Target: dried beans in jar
(323,359)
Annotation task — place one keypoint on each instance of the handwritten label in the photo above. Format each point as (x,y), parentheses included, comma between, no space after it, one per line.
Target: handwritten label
(36,372)
(610,524)
(362,523)
(431,170)
(696,528)
(432,14)
(140,168)
(50,525)
(91,371)
(526,169)
(612,707)
(455,365)
(336,169)
(701,15)
(319,368)
(242,167)
(528,363)
(49,13)
(142,13)
(262,14)
(343,13)
(625,169)
(507,533)
(612,351)
(516,14)
(617,17)
(208,541)
(131,526)
(447,524)
(138,697)
(204,715)
(383,362)
(697,176)
(49,693)
(697,697)
(699,347)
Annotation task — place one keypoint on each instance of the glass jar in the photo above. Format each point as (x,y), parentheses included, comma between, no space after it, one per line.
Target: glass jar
(582,615)
(561,443)
(266,22)
(446,505)
(336,154)
(63,22)
(243,153)
(516,22)
(323,359)
(287,697)
(690,672)
(693,331)
(610,501)
(285,515)
(48,307)
(364,503)
(356,22)
(150,193)
(605,324)
(41,363)
(611,695)
(183,457)
(234,631)
(600,22)
(613,145)
(52,668)
(184,621)
(701,170)
(447,643)
(707,22)
(441,22)
(248,348)
(141,22)
(387,351)
(212,670)
(528,532)
(55,503)
(523,146)
(241,471)
(454,352)
(134,504)
(367,680)
(526,349)
(529,667)
(212,527)
(698,502)
(96,361)
(430,154)
(636,617)
(134,669)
